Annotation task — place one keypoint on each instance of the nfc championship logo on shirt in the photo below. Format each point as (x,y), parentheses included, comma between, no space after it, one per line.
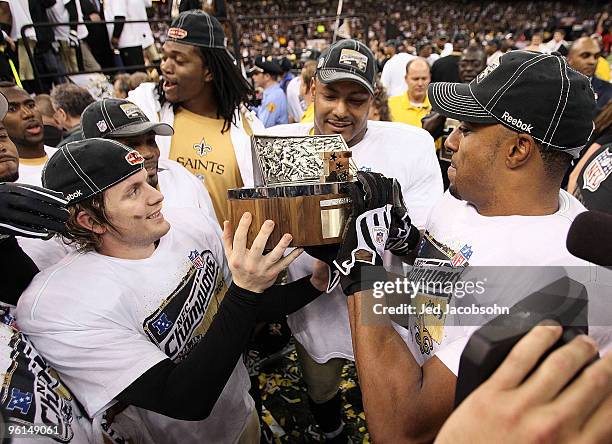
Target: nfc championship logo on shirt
(438,268)
(185,315)
(597,171)
(31,393)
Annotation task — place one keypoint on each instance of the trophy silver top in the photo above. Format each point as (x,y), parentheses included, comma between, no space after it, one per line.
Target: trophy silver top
(288,160)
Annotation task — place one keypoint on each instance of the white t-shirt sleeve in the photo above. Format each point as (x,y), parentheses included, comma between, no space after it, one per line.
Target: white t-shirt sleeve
(120,8)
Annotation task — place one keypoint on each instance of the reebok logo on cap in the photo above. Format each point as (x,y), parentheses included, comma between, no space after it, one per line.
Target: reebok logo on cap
(177,33)
(71,196)
(134,158)
(517,122)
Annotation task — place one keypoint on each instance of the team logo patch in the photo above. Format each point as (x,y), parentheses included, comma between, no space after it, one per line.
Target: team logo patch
(320,63)
(177,33)
(461,258)
(379,235)
(354,59)
(271,107)
(202,148)
(102,126)
(134,158)
(196,260)
(598,170)
(488,70)
(131,110)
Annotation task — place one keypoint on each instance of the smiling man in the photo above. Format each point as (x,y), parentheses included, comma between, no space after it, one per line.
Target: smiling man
(23,121)
(201,96)
(343,91)
(151,316)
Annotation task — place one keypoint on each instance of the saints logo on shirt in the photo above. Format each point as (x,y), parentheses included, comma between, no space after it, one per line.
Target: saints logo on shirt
(202,148)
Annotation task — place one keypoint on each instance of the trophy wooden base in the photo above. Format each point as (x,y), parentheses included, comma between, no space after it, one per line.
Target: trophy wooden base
(312,219)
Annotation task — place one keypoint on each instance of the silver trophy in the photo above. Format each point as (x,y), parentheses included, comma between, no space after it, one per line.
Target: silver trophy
(299,185)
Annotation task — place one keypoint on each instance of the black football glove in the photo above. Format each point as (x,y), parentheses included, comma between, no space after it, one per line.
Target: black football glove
(30,211)
(366,232)
(403,236)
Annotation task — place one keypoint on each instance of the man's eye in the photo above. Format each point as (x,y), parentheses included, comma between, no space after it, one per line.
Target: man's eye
(464,129)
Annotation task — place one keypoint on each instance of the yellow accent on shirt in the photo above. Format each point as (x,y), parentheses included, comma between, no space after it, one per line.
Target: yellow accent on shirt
(402,110)
(36,161)
(602,70)
(200,147)
(308,114)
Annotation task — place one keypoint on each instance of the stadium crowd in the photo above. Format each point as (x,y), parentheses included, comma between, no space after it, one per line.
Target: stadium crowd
(131,309)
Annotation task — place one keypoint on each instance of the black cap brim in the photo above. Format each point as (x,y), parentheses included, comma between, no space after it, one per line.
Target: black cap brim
(334,75)
(455,100)
(140,128)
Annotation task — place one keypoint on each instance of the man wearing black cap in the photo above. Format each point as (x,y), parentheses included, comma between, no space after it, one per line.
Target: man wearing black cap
(153,302)
(121,120)
(273,108)
(343,90)
(521,123)
(201,96)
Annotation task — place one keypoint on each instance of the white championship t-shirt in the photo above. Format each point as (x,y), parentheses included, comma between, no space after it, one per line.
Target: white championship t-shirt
(120,317)
(396,150)
(35,403)
(529,253)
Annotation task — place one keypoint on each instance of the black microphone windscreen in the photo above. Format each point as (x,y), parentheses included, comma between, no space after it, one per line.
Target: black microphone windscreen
(590,237)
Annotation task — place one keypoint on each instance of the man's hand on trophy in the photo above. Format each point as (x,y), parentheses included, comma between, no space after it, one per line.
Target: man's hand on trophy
(366,232)
(251,269)
(403,236)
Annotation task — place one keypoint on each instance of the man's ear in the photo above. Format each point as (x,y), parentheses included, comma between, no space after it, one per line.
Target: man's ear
(520,150)
(313,88)
(85,220)
(207,75)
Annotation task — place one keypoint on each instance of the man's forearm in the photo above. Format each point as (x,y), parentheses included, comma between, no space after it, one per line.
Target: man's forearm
(403,402)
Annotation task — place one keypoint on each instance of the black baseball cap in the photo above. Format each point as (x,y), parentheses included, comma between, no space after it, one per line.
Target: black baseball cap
(85,168)
(528,92)
(118,118)
(348,60)
(270,66)
(197,28)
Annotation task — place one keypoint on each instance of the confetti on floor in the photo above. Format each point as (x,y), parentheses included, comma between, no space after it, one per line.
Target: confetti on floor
(285,399)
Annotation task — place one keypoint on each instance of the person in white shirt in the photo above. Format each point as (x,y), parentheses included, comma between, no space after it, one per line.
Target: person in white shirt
(393,73)
(343,90)
(129,38)
(150,297)
(71,38)
(23,121)
(121,120)
(504,208)
(558,43)
(20,12)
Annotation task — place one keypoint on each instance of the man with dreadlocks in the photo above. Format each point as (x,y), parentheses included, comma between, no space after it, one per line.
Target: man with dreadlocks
(201,96)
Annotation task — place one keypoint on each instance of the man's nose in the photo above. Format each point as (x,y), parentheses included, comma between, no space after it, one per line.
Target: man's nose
(452,141)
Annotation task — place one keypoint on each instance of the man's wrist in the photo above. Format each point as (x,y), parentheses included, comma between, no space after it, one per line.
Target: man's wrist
(362,278)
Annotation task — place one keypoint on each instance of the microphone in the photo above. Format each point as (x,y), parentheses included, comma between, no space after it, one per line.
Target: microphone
(590,237)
